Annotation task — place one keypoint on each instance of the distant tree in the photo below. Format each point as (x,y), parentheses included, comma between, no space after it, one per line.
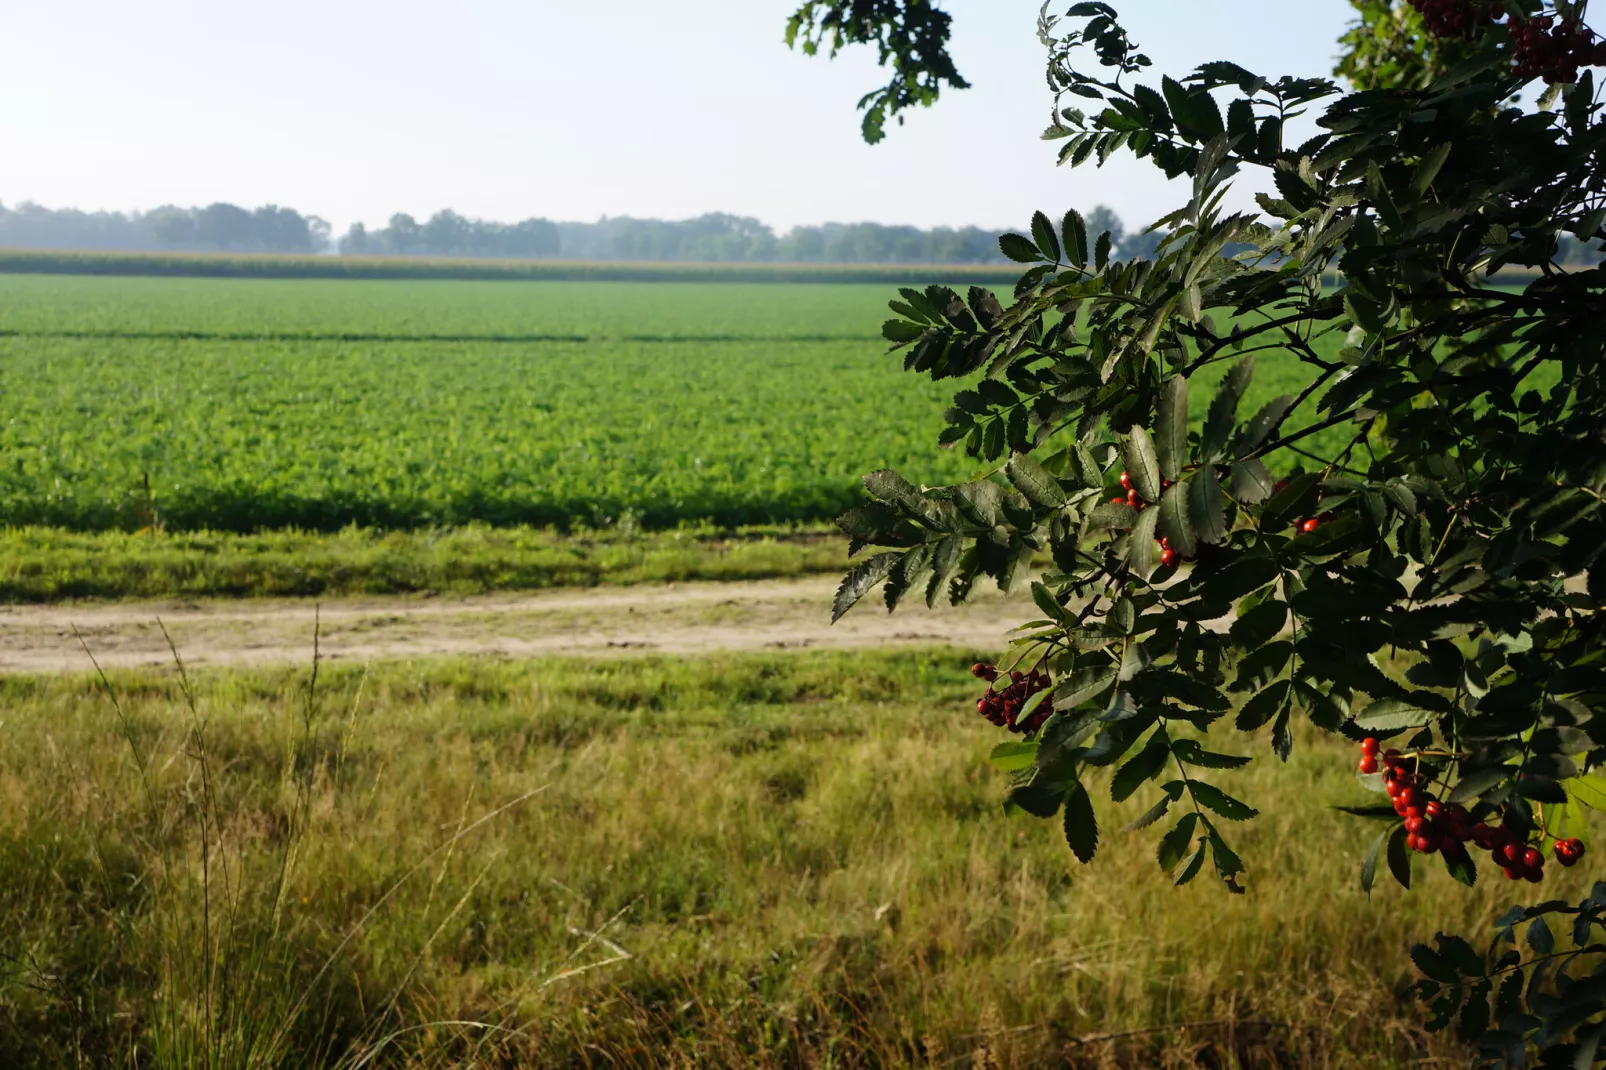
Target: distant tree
(446,234)
(403,235)
(320,232)
(223,226)
(172,227)
(355,242)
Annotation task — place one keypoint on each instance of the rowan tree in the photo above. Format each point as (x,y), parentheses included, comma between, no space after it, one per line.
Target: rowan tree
(1406,550)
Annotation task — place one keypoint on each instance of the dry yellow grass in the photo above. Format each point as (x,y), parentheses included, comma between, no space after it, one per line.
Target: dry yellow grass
(795,860)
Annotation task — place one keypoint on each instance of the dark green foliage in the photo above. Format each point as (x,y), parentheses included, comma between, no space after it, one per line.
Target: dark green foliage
(912,35)
(1422,574)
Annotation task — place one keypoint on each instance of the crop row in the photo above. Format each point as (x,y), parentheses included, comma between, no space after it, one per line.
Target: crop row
(250,405)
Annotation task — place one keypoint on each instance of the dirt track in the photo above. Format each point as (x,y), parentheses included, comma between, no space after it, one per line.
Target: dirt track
(673,619)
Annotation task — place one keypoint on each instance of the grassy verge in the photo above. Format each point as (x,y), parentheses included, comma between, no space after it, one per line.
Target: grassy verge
(49,564)
(738,861)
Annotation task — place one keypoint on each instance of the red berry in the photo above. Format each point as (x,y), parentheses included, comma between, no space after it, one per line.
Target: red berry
(1532,859)
(1368,764)
(1510,873)
(1368,745)
(1168,556)
(1118,499)
(1534,875)
(1413,825)
(1483,835)
(1509,853)
(1433,809)
(1568,852)
(1126,481)
(1310,525)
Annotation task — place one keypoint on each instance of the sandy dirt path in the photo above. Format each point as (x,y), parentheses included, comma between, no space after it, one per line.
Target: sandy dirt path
(673,619)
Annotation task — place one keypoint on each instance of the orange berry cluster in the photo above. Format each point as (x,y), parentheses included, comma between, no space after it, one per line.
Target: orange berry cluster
(1432,826)
(1003,707)
(1554,50)
(1168,556)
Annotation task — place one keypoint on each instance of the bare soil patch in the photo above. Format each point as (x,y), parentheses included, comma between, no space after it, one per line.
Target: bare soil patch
(669,619)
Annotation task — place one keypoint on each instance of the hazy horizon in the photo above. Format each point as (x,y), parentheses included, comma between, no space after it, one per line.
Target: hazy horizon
(353,111)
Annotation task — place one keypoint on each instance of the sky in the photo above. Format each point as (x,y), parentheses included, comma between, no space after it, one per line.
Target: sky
(568,109)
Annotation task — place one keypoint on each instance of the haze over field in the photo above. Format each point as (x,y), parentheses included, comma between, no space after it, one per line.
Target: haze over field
(506,111)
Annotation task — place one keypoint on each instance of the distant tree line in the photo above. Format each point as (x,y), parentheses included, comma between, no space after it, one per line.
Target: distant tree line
(217,227)
(714,238)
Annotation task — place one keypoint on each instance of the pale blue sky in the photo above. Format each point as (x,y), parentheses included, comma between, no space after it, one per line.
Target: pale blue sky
(353,109)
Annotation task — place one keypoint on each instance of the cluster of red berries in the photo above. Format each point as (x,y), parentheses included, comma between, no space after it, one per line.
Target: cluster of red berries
(1554,50)
(1003,707)
(1455,18)
(1168,556)
(1545,46)
(1447,828)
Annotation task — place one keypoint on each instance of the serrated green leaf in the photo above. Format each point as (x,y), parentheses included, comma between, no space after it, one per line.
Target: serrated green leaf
(888,486)
(1043,235)
(1590,790)
(1369,865)
(1212,797)
(1149,816)
(1039,800)
(1398,858)
(1174,844)
(1074,230)
(1251,483)
(1195,864)
(1171,429)
(1142,466)
(1260,625)
(1144,766)
(1081,826)
(1205,508)
(1034,481)
(1143,552)
(858,582)
(1223,415)
(1175,523)
(1266,704)
(1047,602)
(1013,755)
(1019,249)
(1390,715)
(901,331)
(1084,685)
(1475,783)
(944,562)
(1088,472)
(1259,426)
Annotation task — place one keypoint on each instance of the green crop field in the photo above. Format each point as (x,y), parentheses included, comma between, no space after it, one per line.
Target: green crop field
(248,404)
